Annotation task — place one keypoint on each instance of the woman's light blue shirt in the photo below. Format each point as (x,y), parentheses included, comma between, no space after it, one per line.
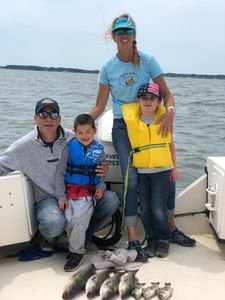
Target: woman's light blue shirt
(125,79)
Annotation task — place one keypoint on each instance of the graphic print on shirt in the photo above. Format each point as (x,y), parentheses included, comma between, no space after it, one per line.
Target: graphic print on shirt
(94,152)
(128,79)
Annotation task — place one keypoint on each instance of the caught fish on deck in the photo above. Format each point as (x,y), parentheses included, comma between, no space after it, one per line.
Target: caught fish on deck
(137,292)
(128,283)
(76,282)
(150,291)
(94,283)
(110,286)
(165,292)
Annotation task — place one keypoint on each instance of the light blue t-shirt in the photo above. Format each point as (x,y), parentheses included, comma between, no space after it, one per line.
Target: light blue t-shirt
(125,79)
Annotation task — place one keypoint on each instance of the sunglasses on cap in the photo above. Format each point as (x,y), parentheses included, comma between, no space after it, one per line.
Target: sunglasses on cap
(44,114)
(121,31)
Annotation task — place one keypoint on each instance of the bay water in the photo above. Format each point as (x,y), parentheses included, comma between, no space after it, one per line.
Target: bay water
(199,124)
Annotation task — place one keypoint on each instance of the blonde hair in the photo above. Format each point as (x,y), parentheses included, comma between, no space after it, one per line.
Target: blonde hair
(109,35)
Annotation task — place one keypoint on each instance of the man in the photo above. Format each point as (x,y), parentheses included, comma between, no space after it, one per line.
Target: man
(37,155)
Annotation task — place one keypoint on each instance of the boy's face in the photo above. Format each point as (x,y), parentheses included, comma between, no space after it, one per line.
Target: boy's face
(85,134)
(148,104)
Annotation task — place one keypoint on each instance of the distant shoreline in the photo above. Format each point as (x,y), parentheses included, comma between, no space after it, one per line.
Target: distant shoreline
(73,70)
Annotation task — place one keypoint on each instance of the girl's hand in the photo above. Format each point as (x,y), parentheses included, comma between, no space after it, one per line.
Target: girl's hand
(174,174)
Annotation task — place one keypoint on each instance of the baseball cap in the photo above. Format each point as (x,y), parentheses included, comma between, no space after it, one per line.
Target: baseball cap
(123,23)
(151,88)
(46,102)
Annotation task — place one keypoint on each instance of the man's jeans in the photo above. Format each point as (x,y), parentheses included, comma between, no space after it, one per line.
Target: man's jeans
(122,146)
(52,221)
(153,192)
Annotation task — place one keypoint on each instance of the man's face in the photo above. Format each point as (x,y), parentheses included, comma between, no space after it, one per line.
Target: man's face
(48,125)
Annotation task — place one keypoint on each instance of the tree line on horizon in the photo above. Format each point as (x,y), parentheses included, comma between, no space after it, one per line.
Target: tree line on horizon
(75,70)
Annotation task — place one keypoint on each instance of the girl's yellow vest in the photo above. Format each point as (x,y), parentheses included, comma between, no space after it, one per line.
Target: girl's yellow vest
(157,152)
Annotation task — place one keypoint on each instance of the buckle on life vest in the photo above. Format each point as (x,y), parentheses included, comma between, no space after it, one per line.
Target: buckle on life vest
(135,150)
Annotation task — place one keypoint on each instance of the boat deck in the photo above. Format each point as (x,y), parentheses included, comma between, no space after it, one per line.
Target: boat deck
(195,273)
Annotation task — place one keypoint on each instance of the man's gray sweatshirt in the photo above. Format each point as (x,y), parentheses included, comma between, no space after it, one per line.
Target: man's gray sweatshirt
(39,162)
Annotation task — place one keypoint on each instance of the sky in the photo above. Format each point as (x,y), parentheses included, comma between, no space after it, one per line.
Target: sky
(185,36)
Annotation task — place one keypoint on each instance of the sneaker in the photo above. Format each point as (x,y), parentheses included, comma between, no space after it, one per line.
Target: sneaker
(46,246)
(179,238)
(142,256)
(162,249)
(151,248)
(91,248)
(68,256)
(74,261)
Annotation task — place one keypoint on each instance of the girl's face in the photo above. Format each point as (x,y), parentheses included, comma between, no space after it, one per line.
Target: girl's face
(148,104)
(85,134)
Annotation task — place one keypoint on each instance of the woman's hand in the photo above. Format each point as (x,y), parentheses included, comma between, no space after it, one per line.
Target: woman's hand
(166,123)
(166,120)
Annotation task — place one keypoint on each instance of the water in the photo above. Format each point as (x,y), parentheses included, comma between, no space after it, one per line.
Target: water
(199,123)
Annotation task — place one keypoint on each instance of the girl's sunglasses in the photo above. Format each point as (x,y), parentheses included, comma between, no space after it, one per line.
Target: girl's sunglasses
(44,114)
(122,31)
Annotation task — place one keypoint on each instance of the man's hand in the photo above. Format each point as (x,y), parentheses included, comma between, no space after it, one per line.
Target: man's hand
(63,204)
(166,125)
(101,170)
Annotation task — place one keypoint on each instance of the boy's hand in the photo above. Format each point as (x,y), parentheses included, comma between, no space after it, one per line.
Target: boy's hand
(98,193)
(63,204)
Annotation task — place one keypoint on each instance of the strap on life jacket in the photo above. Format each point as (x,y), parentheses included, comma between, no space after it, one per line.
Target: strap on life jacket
(87,170)
(138,149)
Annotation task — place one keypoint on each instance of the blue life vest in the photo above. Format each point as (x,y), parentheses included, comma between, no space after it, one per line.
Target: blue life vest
(81,164)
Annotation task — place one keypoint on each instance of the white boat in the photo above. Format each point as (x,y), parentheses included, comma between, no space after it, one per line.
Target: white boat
(194,272)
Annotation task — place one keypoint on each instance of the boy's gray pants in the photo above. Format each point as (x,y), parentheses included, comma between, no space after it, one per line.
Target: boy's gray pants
(78,215)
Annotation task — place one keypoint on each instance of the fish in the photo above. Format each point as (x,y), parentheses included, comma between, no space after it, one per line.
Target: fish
(76,282)
(94,283)
(165,292)
(110,286)
(150,291)
(137,292)
(128,283)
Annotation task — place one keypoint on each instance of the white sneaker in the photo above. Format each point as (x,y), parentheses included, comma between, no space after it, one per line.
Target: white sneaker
(46,246)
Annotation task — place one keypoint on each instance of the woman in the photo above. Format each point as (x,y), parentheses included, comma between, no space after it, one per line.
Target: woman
(121,76)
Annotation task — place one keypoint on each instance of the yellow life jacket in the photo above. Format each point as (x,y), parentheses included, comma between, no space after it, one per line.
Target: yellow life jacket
(156,149)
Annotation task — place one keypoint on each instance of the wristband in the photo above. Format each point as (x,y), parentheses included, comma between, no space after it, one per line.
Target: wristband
(171,107)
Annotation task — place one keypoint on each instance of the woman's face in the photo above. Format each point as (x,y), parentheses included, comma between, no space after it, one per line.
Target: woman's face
(124,37)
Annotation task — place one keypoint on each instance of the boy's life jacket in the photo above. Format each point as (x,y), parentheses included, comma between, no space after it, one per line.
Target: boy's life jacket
(81,164)
(150,149)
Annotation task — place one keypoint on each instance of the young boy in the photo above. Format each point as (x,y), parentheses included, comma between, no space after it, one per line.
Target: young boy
(152,156)
(78,187)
